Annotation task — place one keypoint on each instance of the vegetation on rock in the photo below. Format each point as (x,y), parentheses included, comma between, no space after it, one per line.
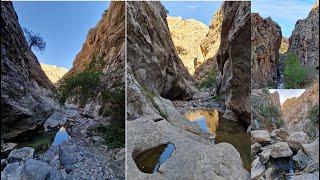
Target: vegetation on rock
(313,116)
(294,74)
(35,40)
(209,81)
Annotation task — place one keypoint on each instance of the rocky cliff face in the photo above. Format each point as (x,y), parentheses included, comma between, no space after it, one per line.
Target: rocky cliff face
(234,60)
(105,46)
(296,110)
(304,41)
(155,75)
(24,86)
(284,45)
(209,47)
(152,56)
(265,44)
(53,72)
(187,35)
(266,109)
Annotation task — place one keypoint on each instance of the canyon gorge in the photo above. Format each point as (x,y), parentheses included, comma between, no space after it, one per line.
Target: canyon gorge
(70,127)
(285,138)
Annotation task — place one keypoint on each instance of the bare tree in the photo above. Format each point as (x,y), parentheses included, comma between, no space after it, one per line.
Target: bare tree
(35,40)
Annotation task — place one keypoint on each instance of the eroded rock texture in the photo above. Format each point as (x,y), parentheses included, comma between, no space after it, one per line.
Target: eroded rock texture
(296,110)
(24,86)
(209,47)
(263,101)
(304,41)
(156,75)
(153,58)
(234,60)
(265,44)
(105,42)
(187,35)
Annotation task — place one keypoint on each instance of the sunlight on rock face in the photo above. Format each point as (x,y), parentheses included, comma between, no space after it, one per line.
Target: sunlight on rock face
(207,120)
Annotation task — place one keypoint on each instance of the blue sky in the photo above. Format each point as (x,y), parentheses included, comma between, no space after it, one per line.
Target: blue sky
(284,12)
(287,93)
(200,10)
(63,25)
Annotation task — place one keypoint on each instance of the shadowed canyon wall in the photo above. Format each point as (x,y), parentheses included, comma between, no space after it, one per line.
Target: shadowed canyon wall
(25,89)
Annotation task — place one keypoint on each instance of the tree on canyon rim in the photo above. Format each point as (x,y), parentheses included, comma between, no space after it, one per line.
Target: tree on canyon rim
(35,40)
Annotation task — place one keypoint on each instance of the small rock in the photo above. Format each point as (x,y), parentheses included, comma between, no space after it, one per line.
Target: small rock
(98,140)
(257,169)
(312,167)
(21,154)
(6,148)
(260,136)
(296,139)
(281,149)
(265,155)
(281,133)
(255,148)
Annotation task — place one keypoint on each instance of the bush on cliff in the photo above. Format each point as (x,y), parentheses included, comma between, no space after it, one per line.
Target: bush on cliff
(208,81)
(294,74)
(82,85)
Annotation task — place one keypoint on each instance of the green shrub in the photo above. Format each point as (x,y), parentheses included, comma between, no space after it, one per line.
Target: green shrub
(83,85)
(114,134)
(313,126)
(113,102)
(208,81)
(313,115)
(294,74)
(96,64)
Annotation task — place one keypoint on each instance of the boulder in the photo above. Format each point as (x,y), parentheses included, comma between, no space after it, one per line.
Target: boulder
(301,159)
(308,176)
(255,148)
(296,139)
(265,155)
(281,149)
(21,154)
(35,169)
(257,169)
(56,119)
(6,148)
(67,157)
(260,136)
(12,171)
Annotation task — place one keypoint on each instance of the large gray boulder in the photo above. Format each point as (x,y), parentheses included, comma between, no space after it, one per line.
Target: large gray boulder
(296,139)
(12,171)
(55,120)
(260,136)
(257,169)
(21,154)
(281,149)
(38,170)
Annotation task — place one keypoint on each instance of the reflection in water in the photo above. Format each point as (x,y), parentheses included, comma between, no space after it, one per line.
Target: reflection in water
(150,160)
(208,121)
(61,136)
(224,131)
